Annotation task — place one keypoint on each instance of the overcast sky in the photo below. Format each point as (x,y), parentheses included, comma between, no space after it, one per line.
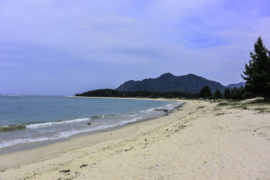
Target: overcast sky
(60,47)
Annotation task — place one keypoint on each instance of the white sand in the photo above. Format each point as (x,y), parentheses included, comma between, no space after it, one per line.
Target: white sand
(201,141)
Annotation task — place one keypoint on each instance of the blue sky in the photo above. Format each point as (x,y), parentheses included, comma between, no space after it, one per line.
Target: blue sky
(62,47)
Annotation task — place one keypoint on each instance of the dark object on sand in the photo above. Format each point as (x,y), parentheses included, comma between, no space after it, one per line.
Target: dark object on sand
(89,124)
(84,165)
(65,171)
(161,109)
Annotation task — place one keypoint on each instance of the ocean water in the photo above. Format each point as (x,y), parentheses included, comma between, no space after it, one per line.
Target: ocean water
(30,119)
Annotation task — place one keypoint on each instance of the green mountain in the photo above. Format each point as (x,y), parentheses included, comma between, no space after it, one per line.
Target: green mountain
(190,83)
(237,85)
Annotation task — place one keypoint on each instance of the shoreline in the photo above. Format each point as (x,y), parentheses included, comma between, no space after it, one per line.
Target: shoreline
(130,98)
(59,144)
(200,140)
(31,145)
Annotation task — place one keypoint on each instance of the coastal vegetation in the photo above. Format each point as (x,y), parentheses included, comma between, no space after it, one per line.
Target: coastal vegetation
(168,82)
(205,93)
(147,94)
(257,71)
(256,74)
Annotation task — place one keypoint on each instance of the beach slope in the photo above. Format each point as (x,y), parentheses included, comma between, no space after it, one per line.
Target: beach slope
(201,140)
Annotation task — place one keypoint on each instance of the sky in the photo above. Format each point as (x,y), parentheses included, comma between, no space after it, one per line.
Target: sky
(63,47)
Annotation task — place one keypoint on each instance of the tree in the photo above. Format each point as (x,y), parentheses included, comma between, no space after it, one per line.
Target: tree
(238,93)
(218,94)
(205,92)
(257,71)
(227,93)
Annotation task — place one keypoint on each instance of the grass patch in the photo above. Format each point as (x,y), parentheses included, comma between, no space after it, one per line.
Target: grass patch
(216,100)
(219,114)
(200,107)
(228,102)
(244,107)
(261,103)
(262,109)
(223,104)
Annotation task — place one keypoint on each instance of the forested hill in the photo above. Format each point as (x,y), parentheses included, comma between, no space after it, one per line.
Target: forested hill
(237,85)
(190,83)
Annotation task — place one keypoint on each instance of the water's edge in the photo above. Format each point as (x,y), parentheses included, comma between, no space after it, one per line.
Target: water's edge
(26,146)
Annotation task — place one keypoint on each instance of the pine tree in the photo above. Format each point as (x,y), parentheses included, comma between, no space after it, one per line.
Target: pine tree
(218,94)
(257,71)
(205,92)
(227,93)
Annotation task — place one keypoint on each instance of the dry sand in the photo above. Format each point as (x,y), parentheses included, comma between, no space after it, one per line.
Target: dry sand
(199,141)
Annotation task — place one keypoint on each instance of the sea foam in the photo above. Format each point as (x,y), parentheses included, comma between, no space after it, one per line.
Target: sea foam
(49,131)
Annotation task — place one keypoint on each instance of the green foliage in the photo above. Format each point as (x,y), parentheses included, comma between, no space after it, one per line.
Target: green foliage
(205,92)
(256,74)
(238,93)
(227,93)
(257,71)
(235,93)
(115,93)
(218,94)
(190,83)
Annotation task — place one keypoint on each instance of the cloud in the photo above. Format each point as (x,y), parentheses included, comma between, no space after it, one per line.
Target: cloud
(132,39)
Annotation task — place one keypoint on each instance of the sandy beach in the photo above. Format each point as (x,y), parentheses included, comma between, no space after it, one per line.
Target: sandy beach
(201,140)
